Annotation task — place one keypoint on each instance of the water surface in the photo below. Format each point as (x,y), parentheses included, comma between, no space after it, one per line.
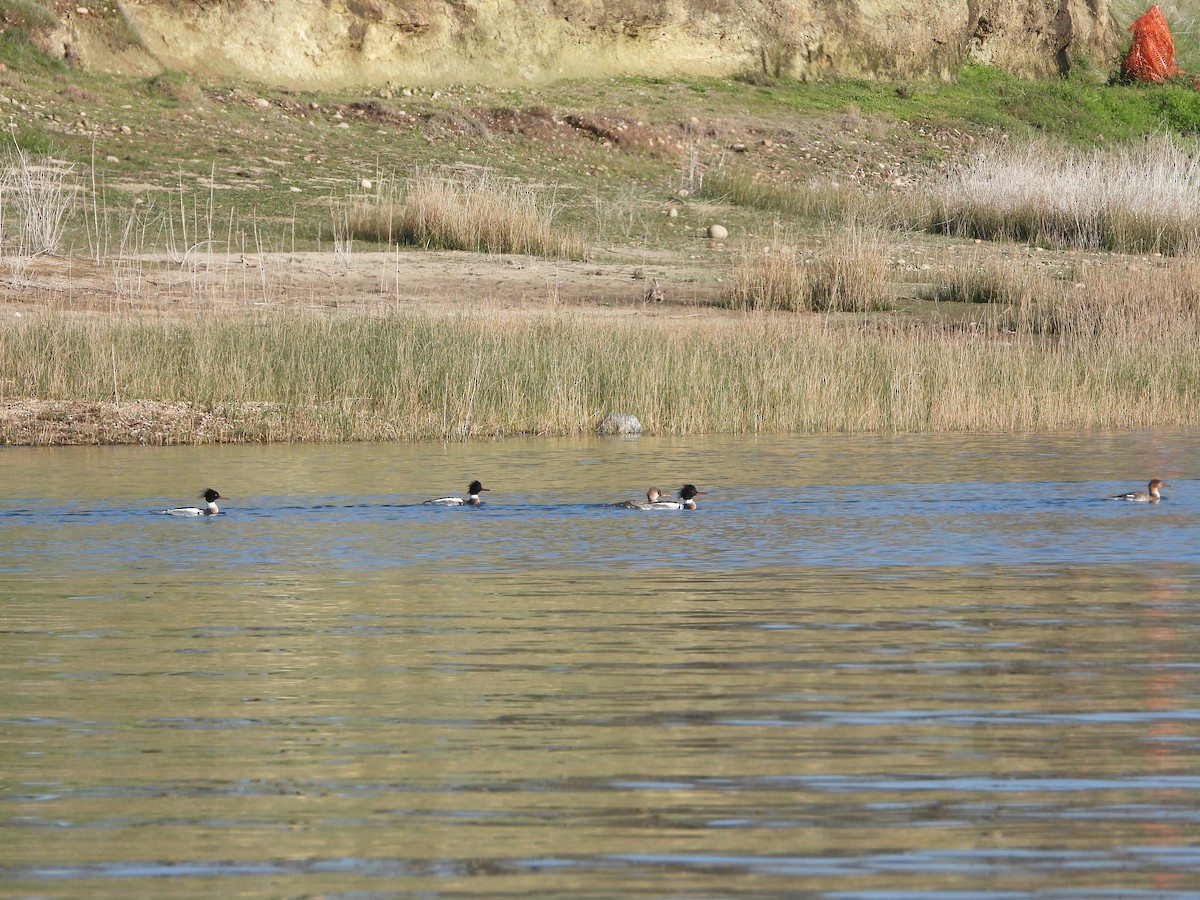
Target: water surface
(865,667)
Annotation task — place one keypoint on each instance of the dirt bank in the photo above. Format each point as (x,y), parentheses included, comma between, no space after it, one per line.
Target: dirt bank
(371,43)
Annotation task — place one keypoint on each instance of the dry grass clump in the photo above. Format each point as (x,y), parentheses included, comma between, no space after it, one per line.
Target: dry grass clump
(848,272)
(1140,308)
(479,212)
(1137,199)
(770,277)
(976,279)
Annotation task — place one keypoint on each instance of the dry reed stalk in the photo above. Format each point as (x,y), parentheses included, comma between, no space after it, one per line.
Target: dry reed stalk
(43,192)
(300,376)
(481,213)
(850,271)
(1134,199)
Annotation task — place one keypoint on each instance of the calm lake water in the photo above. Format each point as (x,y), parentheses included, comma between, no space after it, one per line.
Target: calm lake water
(875,667)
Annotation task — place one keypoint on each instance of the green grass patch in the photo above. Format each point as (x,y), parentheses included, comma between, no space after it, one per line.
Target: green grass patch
(816,201)
(1077,109)
(18,50)
(173,86)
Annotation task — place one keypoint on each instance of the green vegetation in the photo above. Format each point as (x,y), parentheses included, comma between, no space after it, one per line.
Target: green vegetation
(173,86)
(1079,109)
(282,160)
(817,201)
(19,21)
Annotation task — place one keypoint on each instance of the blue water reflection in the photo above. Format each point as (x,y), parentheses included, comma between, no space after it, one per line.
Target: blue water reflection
(865,667)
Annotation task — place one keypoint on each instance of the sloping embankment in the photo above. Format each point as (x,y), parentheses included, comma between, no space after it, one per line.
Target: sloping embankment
(360,43)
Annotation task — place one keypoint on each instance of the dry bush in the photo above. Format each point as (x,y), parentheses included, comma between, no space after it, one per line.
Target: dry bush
(479,212)
(1136,307)
(854,274)
(850,271)
(42,192)
(770,277)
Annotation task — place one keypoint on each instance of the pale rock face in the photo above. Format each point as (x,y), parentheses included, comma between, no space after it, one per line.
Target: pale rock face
(310,43)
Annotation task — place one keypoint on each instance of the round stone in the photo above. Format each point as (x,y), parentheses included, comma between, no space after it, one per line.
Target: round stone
(619,423)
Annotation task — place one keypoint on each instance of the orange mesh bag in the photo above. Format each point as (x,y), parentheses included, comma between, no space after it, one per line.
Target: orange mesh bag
(1151,56)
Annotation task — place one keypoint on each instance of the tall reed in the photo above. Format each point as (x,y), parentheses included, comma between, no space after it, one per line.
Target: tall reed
(1136,199)
(408,375)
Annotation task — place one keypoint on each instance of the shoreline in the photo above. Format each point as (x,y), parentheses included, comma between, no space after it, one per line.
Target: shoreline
(71,423)
(473,348)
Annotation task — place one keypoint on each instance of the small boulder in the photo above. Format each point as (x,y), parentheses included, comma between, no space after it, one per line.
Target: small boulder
(619,423)
(717,232)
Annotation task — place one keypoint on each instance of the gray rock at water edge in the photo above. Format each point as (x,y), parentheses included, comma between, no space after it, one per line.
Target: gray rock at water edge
(619,423)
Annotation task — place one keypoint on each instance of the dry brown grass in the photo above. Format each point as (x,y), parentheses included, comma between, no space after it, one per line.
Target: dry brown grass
(847,271)
(1102,345)
(476,211)
(1113,349)
(1133,199)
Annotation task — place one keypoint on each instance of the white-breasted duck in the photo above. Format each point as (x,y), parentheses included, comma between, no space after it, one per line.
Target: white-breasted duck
(686,500)
(209,509)
(472,498)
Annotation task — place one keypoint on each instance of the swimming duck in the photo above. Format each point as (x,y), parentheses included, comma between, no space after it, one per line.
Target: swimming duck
(1150,495)
(210,509)
(473,492)
(687,495)
(652,496)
